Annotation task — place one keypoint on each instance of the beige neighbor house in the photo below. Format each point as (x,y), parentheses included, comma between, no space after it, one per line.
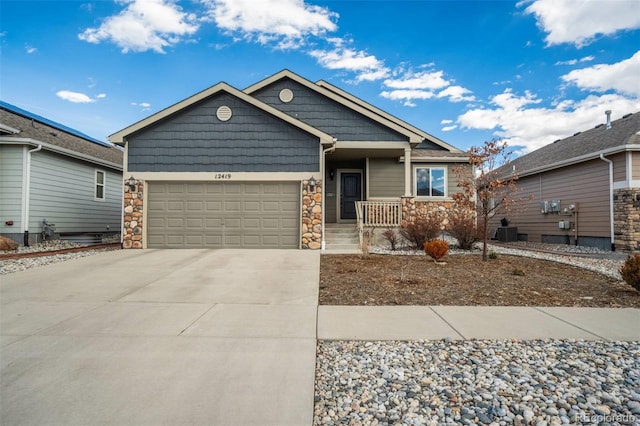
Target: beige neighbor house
(273,165)
(585,189)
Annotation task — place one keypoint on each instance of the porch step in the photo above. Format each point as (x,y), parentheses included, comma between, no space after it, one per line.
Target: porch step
(341,238)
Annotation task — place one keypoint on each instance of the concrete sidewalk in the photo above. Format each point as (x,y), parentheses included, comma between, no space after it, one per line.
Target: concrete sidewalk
(476,322)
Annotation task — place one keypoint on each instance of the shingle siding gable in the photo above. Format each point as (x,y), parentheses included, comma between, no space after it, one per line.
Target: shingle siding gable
(325,114)
(195,140)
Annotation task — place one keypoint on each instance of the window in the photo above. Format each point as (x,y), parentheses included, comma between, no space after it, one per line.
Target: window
(430,182)
(99,194)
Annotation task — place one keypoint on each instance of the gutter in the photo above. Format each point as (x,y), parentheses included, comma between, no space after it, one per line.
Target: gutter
(27,193)
(324,192)
(603,158)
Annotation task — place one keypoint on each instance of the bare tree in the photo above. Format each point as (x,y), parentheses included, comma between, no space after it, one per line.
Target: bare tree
(486,189)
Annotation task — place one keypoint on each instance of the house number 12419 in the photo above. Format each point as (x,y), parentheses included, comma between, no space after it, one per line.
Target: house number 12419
(222,176)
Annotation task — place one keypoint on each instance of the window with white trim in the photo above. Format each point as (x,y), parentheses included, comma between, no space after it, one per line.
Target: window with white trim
(430,182)
(99,194)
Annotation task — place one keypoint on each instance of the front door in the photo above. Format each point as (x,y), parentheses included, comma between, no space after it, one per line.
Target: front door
(350,192)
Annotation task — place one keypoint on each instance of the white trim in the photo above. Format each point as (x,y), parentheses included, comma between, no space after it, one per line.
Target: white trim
(430,198)
(407,173)
(629,166)
(145,213)
(96,184)
(366,177)
(372,145)
(627,184)
(25,181)
(222,176)
(338,192)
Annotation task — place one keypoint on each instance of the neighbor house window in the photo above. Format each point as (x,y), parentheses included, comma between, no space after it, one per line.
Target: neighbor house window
(430,181)
(99,194)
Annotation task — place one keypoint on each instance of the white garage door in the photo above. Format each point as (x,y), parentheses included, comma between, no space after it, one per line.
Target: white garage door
(223,215)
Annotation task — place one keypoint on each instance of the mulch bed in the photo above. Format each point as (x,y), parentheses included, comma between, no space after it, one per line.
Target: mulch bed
(465,280)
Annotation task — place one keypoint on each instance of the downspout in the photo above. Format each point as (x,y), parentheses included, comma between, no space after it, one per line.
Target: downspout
(27,194)
(602,157)
(324,186)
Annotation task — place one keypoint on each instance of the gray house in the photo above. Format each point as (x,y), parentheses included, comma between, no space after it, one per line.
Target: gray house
(585,189)
(51,172)
(274,165)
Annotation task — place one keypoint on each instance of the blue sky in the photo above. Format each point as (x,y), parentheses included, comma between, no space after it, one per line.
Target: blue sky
(529,72)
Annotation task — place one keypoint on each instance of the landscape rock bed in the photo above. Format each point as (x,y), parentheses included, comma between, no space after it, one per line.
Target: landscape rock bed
(541,382)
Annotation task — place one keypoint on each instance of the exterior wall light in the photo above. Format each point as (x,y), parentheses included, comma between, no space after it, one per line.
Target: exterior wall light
(131,182)
(312,184)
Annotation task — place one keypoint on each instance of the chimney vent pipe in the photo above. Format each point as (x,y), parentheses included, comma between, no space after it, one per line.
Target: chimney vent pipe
(608,113)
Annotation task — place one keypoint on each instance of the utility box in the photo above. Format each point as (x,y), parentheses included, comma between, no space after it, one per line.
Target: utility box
(565,224)
(507,234)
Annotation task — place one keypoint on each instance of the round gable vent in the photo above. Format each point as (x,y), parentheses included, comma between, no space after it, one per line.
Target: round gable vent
(224,113)
(286,95)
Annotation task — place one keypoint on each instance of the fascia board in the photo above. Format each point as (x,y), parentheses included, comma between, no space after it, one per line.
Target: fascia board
(414,138)
(120,137)
(60,150)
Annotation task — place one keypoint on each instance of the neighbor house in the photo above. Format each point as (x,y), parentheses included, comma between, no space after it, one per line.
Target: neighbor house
(50,172)
(584,190)
(274,164)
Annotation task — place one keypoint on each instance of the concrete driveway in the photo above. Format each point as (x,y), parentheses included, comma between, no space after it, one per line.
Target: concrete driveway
(161,337)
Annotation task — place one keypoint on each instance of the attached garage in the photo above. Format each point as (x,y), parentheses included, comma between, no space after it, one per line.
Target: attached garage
(223,214)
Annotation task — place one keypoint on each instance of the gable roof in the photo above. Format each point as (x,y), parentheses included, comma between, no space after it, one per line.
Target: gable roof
(18,126)
(120,136)
(623,135)
(386,115)
(349,101)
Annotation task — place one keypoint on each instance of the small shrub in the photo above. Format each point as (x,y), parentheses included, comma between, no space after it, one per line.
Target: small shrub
(493,255)
(517,271)
(630,271)
(436,249)
(392,238)
(422,230)
(463,228)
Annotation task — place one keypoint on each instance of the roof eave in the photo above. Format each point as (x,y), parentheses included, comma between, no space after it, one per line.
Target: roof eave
(60,150)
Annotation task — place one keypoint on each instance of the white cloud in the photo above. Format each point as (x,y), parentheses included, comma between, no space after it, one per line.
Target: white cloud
(579,22)
(398,95)
(449,128)
(621,77)
(446,121)
(283,22)
(101,96)
(368,67)
(144,106)
(30,49)
(75,97)
(456,94)
(144,25)
(575,61)
(429,80)
(520,121)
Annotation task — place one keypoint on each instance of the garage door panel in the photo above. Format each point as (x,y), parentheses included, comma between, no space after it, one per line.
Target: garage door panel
(223,214)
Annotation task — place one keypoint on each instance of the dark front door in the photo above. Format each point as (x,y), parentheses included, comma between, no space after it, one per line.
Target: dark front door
(350,192)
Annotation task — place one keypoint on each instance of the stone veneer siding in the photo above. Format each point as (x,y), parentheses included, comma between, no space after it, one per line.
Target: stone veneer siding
(626,219)
(311,216)
(133,216)
(412,209)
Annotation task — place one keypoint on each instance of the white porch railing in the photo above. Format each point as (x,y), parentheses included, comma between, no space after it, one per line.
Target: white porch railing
(378,213)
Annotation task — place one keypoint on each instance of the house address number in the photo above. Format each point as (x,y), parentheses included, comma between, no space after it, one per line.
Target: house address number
(222,176)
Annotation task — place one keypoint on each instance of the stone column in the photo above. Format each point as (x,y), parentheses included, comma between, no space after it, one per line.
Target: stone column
(311,215)
(133,216)
(626,219)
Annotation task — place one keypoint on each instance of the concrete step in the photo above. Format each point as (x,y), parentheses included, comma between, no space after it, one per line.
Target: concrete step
(343,247)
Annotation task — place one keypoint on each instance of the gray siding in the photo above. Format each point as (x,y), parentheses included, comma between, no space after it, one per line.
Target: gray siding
(586,184)
(331,186)
(386,178)
(326,114)
(62,191)
(10,188)
(194,140)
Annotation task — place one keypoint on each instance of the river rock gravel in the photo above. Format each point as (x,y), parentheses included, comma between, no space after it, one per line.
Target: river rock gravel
(540,382)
